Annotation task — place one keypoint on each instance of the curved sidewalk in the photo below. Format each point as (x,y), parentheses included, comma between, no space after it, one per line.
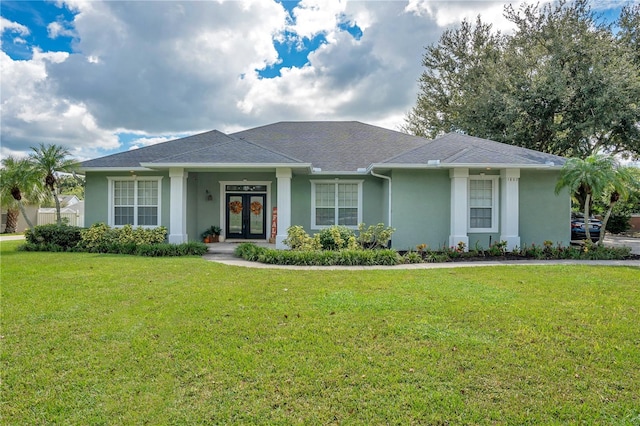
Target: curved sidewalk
(231,260)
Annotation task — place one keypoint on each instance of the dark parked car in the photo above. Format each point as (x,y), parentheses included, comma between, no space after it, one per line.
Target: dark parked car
(578,231)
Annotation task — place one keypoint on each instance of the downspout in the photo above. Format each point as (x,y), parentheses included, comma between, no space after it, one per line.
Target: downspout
(389,180)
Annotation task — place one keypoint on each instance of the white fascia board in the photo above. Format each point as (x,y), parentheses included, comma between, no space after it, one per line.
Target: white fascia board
(228,165)
(341,173)
(464,166)
(114,169)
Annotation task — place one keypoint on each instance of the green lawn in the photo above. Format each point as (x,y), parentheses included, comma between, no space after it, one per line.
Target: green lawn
(106,339)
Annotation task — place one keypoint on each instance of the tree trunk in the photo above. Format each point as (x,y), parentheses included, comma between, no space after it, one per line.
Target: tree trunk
(58,216)
(12,220)
(24,214)
(587,201)
(604,222)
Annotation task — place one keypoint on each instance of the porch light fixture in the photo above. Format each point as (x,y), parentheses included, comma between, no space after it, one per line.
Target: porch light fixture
(209,196)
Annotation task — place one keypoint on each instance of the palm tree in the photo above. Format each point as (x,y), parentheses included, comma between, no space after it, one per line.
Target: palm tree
(18,180)
(587,178)
(624,183)
(47,160)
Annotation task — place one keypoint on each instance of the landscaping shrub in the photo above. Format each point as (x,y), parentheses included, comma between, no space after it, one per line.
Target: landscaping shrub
(619,223)
(375,236)
(248,251)
(346,257)
(336,238)
(165,249)
(54,237)
(100,238)
(298,239)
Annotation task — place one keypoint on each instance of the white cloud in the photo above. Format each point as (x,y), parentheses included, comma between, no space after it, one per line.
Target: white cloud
(142,142)
(7,25)
(447,14)
(59,28)
(165,68)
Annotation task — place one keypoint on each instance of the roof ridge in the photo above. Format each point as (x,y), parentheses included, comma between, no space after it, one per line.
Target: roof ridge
(197,149)
(273,151)
(426,142)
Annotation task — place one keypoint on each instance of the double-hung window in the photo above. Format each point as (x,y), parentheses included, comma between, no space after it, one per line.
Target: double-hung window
(134,201)
(483,202)
(336,202)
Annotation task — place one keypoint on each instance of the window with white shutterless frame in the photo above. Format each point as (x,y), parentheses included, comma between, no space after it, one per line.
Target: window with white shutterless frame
(483,203)
(135,201)
(336,202)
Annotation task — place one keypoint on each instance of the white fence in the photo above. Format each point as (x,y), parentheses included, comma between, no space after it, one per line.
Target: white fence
(73,218)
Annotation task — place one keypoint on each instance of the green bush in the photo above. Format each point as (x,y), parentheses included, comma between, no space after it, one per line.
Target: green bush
(100,236)
(64,237)
(165,249)
(336,238)
(298,239)
(248,251)
(375,236)
(619,223)
(251,252)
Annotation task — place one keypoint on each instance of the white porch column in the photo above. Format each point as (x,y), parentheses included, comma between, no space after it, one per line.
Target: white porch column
(459,207)
(509,210)
(178,203)
(284,205)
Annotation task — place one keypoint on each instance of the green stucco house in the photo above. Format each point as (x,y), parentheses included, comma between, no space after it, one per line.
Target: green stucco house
(256,183)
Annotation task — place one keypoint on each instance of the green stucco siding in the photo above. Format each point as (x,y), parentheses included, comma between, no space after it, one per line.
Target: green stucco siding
(373,202)
(420,208)
(96,206)
(543,214)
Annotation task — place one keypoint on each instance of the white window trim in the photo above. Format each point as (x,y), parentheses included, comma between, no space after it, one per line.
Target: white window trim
(495,185)
(336,182)
(111,215)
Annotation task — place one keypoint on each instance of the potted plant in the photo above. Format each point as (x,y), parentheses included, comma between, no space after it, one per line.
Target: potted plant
(211,234)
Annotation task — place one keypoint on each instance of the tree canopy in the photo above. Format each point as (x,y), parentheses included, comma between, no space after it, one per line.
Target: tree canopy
(564,82)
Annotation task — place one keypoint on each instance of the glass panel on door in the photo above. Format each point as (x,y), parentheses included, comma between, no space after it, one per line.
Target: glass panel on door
(246,216)
(256,218)
(234,215)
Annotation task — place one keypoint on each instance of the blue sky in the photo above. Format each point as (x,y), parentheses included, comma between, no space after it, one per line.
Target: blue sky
(106,76)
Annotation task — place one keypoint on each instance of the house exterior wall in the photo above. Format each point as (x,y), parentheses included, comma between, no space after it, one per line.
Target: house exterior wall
(543,214)
(373,201)
(420,204)
(97,196)
(420,208)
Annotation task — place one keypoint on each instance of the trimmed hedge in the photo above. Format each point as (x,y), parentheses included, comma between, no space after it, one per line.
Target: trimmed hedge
(251,252)
(56,237)
(254,253)
(100,238)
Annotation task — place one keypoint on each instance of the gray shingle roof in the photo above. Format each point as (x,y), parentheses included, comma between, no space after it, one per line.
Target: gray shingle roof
(156,152)
(333,146)
(456,148)
(232,151)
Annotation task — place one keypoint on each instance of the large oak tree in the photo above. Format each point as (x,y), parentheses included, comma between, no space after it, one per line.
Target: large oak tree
(564,82)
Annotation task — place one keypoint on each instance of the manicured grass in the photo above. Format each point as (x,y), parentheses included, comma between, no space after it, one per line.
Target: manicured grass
(109,339)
